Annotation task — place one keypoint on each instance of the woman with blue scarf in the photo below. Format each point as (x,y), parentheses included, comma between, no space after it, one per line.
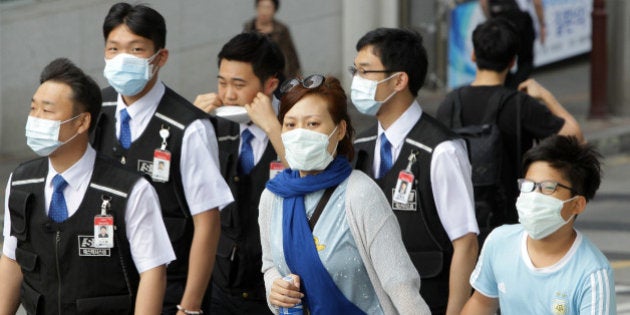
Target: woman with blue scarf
(345,255)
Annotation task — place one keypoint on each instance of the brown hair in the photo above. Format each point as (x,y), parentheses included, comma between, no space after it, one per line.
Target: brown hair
(331,91)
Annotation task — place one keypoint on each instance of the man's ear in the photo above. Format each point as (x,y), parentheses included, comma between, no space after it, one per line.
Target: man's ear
(270,85)
(162,57)
(85,121)
(473,57)
(402,81)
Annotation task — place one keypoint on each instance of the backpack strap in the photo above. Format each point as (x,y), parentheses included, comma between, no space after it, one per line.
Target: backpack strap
(519,166)
(456,114)
(496,102)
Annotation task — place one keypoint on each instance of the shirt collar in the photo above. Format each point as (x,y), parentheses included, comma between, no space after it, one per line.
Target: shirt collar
(145,106)
(397,132)
(79,173)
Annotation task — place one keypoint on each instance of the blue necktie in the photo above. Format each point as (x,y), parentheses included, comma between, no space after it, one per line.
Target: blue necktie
(58,211)
(125,131)
(386,156)
(246,159)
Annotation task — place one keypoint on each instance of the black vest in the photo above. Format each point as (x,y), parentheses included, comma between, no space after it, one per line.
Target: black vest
(63,273)
(239,254)
(173,112)
(424,236)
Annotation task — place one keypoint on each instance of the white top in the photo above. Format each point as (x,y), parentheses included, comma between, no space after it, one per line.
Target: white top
(450,174)
(149,243)
(376,234)
(204,187)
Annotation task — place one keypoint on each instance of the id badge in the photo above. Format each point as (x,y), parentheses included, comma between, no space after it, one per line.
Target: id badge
(103,231)
(403,187)
(275,168)
(161,165)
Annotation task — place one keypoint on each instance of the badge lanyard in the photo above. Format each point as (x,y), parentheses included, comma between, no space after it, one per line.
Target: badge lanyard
(405,181)
(104,226)
(162,159)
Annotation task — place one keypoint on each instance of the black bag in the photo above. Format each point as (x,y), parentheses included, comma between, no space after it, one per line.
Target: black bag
(498,7)
(485,152)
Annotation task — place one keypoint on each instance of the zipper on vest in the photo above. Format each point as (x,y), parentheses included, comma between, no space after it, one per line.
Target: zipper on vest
(122,263)
(57,241)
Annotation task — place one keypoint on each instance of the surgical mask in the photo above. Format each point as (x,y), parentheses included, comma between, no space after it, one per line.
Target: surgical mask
(42,135)
(363,92)
(129,74)
(540,214)
(307,150)
(235,113)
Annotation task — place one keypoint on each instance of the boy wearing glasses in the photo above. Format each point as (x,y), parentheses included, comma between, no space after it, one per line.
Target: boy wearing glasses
(249,67)
(544,265)
(436,213)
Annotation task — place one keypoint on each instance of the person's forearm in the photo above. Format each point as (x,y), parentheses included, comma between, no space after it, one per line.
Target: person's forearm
(10,281)
(465,251)
(151,291)
(202,256)
(571,126)
(275,137)
(540,12)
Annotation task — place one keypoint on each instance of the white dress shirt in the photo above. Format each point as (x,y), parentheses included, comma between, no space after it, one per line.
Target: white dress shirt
(149,243)
(450,174)
(260,140)
(204,187)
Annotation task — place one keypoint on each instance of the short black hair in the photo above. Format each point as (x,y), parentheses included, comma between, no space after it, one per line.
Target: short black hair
(495,42)
(257,49)
(86,94)
(577,162)
(140,19)
(276,4)
(399,50)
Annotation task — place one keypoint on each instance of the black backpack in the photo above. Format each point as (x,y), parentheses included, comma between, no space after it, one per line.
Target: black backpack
(485,152)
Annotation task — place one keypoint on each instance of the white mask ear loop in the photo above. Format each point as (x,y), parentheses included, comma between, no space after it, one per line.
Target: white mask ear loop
(390,95)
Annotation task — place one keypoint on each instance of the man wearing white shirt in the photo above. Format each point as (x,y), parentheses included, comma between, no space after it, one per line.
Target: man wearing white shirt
(249,67)
(50,262)
(144,123)
(437,216)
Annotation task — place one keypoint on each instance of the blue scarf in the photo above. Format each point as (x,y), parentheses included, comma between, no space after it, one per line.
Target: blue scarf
(321,293)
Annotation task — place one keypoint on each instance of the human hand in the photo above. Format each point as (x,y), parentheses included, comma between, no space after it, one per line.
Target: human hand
(533,89)
(208,102)
(284,293)
(261,113)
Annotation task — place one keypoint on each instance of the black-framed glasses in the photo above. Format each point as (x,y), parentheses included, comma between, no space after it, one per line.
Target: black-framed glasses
(354,70)
(310,82)
(547,187)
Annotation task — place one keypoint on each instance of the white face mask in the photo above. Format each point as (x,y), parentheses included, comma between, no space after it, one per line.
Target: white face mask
(235,113)
(42,135)
(307,150)
(540,214)
(363,94)
(129,74)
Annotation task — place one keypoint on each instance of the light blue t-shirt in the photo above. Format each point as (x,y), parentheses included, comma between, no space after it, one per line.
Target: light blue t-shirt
(336,248)
(580,283)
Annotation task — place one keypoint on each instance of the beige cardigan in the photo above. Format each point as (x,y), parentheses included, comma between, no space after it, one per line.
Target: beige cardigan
(377,235)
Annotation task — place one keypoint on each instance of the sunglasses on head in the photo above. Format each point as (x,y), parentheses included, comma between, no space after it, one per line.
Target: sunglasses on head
(310,82)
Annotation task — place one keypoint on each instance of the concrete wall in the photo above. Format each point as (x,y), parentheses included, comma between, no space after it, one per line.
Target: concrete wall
(33,32)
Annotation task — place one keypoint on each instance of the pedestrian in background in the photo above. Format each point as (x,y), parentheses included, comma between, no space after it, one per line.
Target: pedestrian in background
(143,123)
(330,228)
(436,215)
(544,265)
(265,23)
(517,11)
(51,263)
(522,117)
(249,68)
